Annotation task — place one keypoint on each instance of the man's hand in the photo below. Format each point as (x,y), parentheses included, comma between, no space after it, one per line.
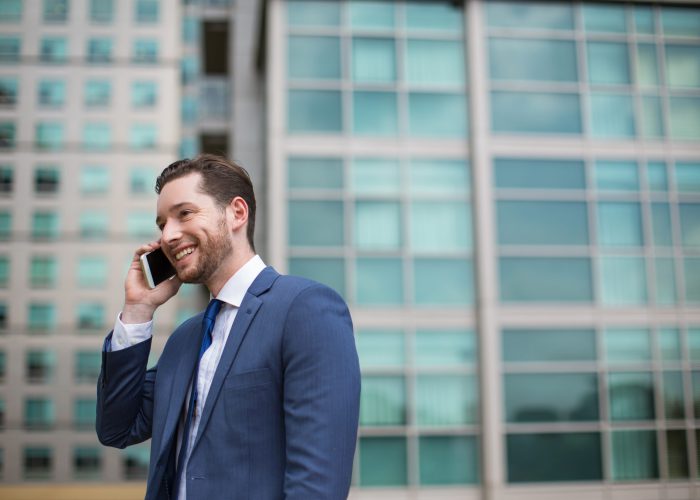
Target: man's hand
(140,300)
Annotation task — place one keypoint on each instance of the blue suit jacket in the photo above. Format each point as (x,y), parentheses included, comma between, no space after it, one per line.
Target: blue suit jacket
(280,419)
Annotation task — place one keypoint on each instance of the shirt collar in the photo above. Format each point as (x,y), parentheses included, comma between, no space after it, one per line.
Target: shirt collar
(235,288)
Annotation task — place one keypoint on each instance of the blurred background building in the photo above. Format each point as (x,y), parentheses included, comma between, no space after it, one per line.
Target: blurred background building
(506,193)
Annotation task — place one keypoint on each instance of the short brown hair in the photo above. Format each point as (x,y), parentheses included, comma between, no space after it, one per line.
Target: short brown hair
(222,179)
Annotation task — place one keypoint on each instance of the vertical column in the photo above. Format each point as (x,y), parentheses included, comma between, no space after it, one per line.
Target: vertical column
(485,255)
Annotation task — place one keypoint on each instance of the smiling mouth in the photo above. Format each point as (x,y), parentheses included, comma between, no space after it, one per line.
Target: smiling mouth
(182,253)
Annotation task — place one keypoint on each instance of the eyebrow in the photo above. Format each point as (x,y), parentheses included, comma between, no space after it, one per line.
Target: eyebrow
(159,221)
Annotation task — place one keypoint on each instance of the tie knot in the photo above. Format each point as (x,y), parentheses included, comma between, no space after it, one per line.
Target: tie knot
(213,309)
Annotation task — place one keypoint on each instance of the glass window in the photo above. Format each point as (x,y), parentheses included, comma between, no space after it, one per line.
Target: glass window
(135,461)
(97,93)
(656,176)
(371,14)
(378,281)
(142,180)
(40,366)
(56,10)
(41,316)
(634,455)
(542,223)
(521,15)
(99,50)
(443,282)
(4,270)
(38,412)
(661,224)
(548,345)
(49,135)
(102,11)
(145,50)
(189,69)
(647,64)
(691,268)
(685,117)
(448,460)
(690,224)
(94,179)
(90,315)
(383,461)
(619,224)
(313,57)
(440,226)
(10,10)
(45,225)
(375,113)
(38,462)
(437,115)
(315,173)
(188,109)
(373,60)
(539,173)
(670,344)
(652,120)
(313,13)
(644,19)
(316,223)
(377,225)
(5,225)
(3,315)
(314,111)
(435,62)
(683,65)
(383,400)
(92,271)
(608,63)
(631,396)
(10,48)
(97,136)
(43,272)
(7,178)
(190,30)
(446,400)
(536,60)
(444,348)
(627,345)
(678,21)
(93,224)
(549,279)
(623,280)
(612,115)
(8,91)
(7,135)
(535,112)
(52,93)
(146,11)
(141,225)
(54,49)
(688,176)
(551,397)
(144,94)
(87,462)
(84,413)
(438,177)
(47,179)
(370,176)
(330,271)
(3,373)
(677,453)
(604,18)
(441,15)
(665,279)
(674,406)
(616,175)
(554,457)
(142,136)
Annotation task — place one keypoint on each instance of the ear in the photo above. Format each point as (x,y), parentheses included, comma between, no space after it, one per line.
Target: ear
(237,214)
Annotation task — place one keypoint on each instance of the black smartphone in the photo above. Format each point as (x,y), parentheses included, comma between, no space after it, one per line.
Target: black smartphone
(156,267)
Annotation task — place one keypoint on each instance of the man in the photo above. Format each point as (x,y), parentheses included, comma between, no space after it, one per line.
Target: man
(274,407)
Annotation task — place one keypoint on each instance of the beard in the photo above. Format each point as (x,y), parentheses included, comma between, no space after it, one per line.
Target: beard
(211,253)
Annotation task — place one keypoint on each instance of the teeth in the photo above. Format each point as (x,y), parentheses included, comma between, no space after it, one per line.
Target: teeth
(184,252)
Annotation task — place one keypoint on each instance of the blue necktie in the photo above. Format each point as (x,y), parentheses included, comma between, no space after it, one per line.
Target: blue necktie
(207,327)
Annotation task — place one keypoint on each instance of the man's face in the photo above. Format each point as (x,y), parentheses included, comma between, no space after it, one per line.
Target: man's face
(195,235)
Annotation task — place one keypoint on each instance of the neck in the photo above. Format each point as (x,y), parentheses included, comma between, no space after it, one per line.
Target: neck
(228,269)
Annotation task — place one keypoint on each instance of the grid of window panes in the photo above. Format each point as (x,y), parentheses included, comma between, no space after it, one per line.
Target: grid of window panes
(616,404)
(418,412)
(616,232)
(379,69)
(615,71)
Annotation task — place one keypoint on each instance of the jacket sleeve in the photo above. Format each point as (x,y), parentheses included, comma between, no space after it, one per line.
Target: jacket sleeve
(125,396)
(321,396)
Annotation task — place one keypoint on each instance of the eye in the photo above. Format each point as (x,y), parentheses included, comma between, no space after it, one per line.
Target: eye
(185,212)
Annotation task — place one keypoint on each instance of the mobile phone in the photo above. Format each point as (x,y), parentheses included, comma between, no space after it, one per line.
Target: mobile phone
(156,267)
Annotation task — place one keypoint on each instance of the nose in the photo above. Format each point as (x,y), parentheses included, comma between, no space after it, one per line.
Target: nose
(171,232)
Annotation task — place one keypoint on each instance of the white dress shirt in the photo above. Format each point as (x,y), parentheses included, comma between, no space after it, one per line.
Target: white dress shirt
(231,295)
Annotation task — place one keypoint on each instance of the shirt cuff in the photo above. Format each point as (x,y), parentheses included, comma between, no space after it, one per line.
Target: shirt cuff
(128,334)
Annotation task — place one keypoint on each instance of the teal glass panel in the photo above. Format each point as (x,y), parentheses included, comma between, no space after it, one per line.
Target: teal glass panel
(94,179)
(619,224)
(375,176)
(375,113)
(53,49)
(316,223)
(49,135)
(39,412)
(10,10)
(604,18)
(383,461)
(52,93)
(144,94)
(438,177)
(647,65)
(526,15)
(92,271)
(189,68)
(142,136)
(545,279)
(626,345)
(43,272)
(685,117)
(94,224)
(674,406)
(657,177)
(539,173)
(665,281)
(631,396)
(435,62)
(377,225)
(437,115)
(191,29)
(146,11)
(612,115)
(84,413)
(313,57)
(10,48)
(696,393)
(145,50)
(380,348)
(634,456)
(534,112)
(448,460)
(99,50)
(440,15)
(536,60)
(652,119)
(379,281)
(554,457)
(444,348)
(608,63)
(542,223)
(644,19)
(690,224)
(669,344)
(371,14)
(97,136)
(315,173)
(8,91)
(688,177)
(551,397)
(314,111)
(623,281)
(383,400)
(682,65)
(141,181)
(694,345)
(97,93)
(45,225)
(446,400)
(616,175)
(443,282)
(679,21)
(329,271)
(87,463)
(677,453)
(5,224)
(373,60)
(7,135)
(41,316)
(40,366)
(313,13)
(90,315)
(4,274)
(440,226)
(548,345)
